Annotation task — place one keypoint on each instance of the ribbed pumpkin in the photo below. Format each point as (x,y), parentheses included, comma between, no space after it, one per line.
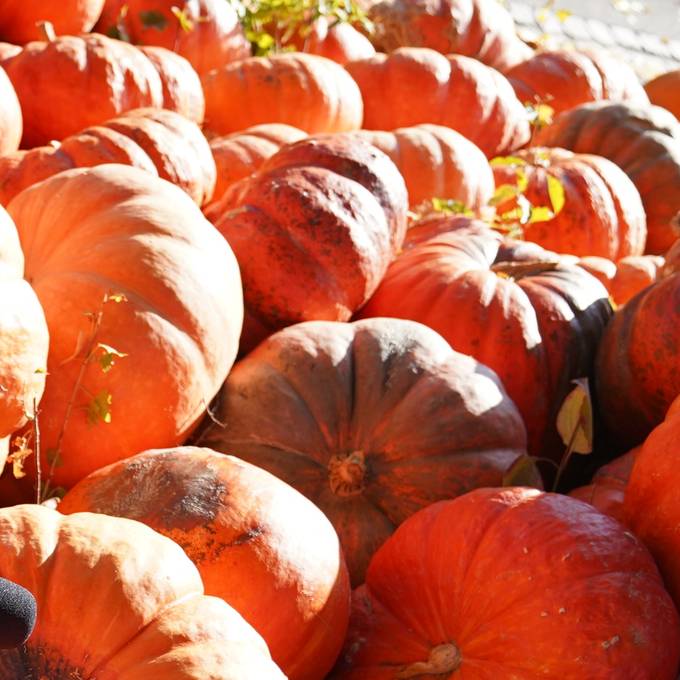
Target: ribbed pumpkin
(242,153)
(72,82)
(511,583)
(436,161)
(418,85)
(650,505)
(663,91)
(11,121)
(89,234)
(209,34)
(314,230)
(602,213)
(564,79)
(371,420)
(117,601)
(644,142)
(672,260)
(482,29)
(532,319)
(20,19)
(160,142)
(340,42)
(303,90)
(638,364)
(258,544)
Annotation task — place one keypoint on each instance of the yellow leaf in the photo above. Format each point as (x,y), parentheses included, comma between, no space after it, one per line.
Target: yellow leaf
(540,213)
(523,472)
(563,14)
(575,418)
(20,452)
(556,193)
(507,160)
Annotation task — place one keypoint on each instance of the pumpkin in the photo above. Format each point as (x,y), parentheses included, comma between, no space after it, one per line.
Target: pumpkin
(371,420)
(205,32)
(71,82)
(672,260)
(144,307)
(482,29)
(534,320)
(340,42)
(638,364)
(160,142)
(118,601)
(20,19)
(11,121)
(414,85)
(650,507)
(313,230)
(644,142)
(663,91)
(563,79)
(258,544)
(303,90)
(511,583)
(242,153)
(602,212)
(436,161)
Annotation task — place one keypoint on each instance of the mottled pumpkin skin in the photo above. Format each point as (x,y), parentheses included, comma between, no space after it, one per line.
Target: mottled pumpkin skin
(161,142)
(303,90)
(258,544)
(19,19)
(105,77)
(644,142)
(371,420)
(650,505)
(564,79)
(418,85)
(91,232)
(482,29)
(663,91)
(638,364)
(11,120)
(151,620)
(602,213)
(436,162)
(532,319)
(216,37)
(511,583)
(314,229)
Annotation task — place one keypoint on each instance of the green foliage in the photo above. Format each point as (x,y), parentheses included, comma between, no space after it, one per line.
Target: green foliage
(99,408)
(449,206)
(153,19)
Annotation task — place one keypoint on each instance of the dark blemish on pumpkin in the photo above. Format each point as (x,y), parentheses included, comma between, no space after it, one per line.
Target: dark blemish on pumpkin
(35,663)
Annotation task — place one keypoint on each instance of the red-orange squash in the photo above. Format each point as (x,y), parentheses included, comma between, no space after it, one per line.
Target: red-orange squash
(672,260)
(371,420)
(511,583)
(258,544)
(482,29)
(418,85)
(339,41)
(314,229)
(11,121)
(134,372)
(533,319)
(303,90)
(563,79)
(437,162)
(638,363)
(206,32)
(158,141)
(602,212)
(117,601)
(644,141)
(663,91)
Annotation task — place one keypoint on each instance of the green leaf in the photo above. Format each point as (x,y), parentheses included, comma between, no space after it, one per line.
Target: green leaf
(540,214)
(575,419)
(186,24)
(522,180)
(99,408)
(153,19)
(108,356)
(53,457)
(556,193)
(503,193)
(523,472)
(450,206)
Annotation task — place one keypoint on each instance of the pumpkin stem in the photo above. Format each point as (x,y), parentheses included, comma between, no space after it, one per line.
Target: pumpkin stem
(518,270)
(347,473)
(444,658)
(47,29)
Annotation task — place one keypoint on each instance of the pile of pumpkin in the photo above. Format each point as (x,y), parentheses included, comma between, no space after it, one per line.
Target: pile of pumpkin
(295,350)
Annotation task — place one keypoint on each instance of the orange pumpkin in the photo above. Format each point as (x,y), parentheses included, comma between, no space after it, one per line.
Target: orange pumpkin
(303,90)
(511,583)
(418,85)
(672,260)
(11,121)
(602,213)
(125,374)
(371,420)
(436,161)
(533,319)
(258,544)
(663,91)
(482,29)
(158,141)
(117,601)
(205,32)
(20,19)
(643,142)
(340,42)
